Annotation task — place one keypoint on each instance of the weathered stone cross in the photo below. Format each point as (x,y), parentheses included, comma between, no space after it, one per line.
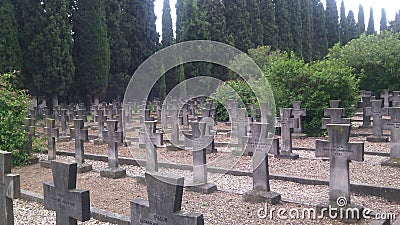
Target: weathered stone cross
(394,125)
(52,134)
(62,196)
(30,132)
(113,137)
(101,119)
(286,123)
(377,112)
(340,152)
(335,115)
(9,189)
(81,135)
(164,205)
(387,97)
(297,113)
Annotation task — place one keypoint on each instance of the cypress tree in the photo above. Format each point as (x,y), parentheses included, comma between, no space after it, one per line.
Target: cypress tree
(344,25)
(371,26)
(256,27)
(10,51)
(237,23)
(395,24)
(353,28)
(57,69)
(332,25)
(91,49)
(178,24)
(296,27)
(319,41)
(383,22)
(167,40)
(267,15)
(361,20)
(119,52)
(307,29)
(285,39)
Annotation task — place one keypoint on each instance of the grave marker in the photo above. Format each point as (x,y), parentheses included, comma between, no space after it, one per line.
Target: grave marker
(377,112)
(261,138)
(63,121)
(164,204)
(9,189)
(101,119)
(70,204)
(286,123)
(335,115)
(52,134)
(387,98)
(341,152)
(81,135)
(113,137)
(297,113)
(366,102)
(261,145)
(393,124)
(30,133)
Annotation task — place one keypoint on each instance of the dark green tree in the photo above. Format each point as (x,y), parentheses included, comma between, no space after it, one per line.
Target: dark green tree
(383,22)
(332,25)
(55,77)
(167,40)
(353,28)
(237,23)
(119,52)
(371,26)
(256,27)
(344,25)
(306,16)
(395,24)
(361,20)
(91,50)
(319,40)
(285,39)
(267,14)
(296,27)
(10,51)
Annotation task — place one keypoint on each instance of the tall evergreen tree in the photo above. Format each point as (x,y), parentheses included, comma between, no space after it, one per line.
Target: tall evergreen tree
(58,69)
(285,39)
(371,26)
(395,24)
(353,28)
(178,23)
(361,20)
(267,15)
(91,49)
(332,25)
(119,52)
(167,40)
(319,41)
(296,27)
(306,15)
(237,23)
(344,25)
(383,22)
(10,51)
(256,27)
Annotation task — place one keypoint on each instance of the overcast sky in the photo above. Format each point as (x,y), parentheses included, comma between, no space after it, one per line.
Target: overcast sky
(391,7)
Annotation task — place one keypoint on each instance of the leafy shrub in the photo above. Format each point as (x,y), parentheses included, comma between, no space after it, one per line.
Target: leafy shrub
(13,107)
(293,80)
(375,58)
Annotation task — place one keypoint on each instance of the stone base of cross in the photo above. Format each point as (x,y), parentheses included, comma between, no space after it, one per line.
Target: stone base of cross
(206,188)
(286,155)
(257,196)
(84,167)
(114,173)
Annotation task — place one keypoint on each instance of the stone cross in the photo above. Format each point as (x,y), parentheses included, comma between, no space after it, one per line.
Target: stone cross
(164,204)
(101,119)
(239,123)
(52,134)
(30,132)
(185,116)
(340,152)
(95,109)
(377,112)
(366,102)
(286,123)
(393,124)
(297,112)
(82,115)
(262,139)
(151,151)
(70,204)
(113,137)
(260,144)
(335,115)
(9,189)
(387,98)
(81,135)
(334,103)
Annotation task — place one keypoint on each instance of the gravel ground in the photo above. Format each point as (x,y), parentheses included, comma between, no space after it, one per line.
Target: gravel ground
(218,208)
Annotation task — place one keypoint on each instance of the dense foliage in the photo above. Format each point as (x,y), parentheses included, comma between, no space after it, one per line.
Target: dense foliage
(13,107)
(375,58)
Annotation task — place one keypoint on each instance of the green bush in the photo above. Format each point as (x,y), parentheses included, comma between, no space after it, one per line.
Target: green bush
(375,58)
(13,107)
(293,80)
